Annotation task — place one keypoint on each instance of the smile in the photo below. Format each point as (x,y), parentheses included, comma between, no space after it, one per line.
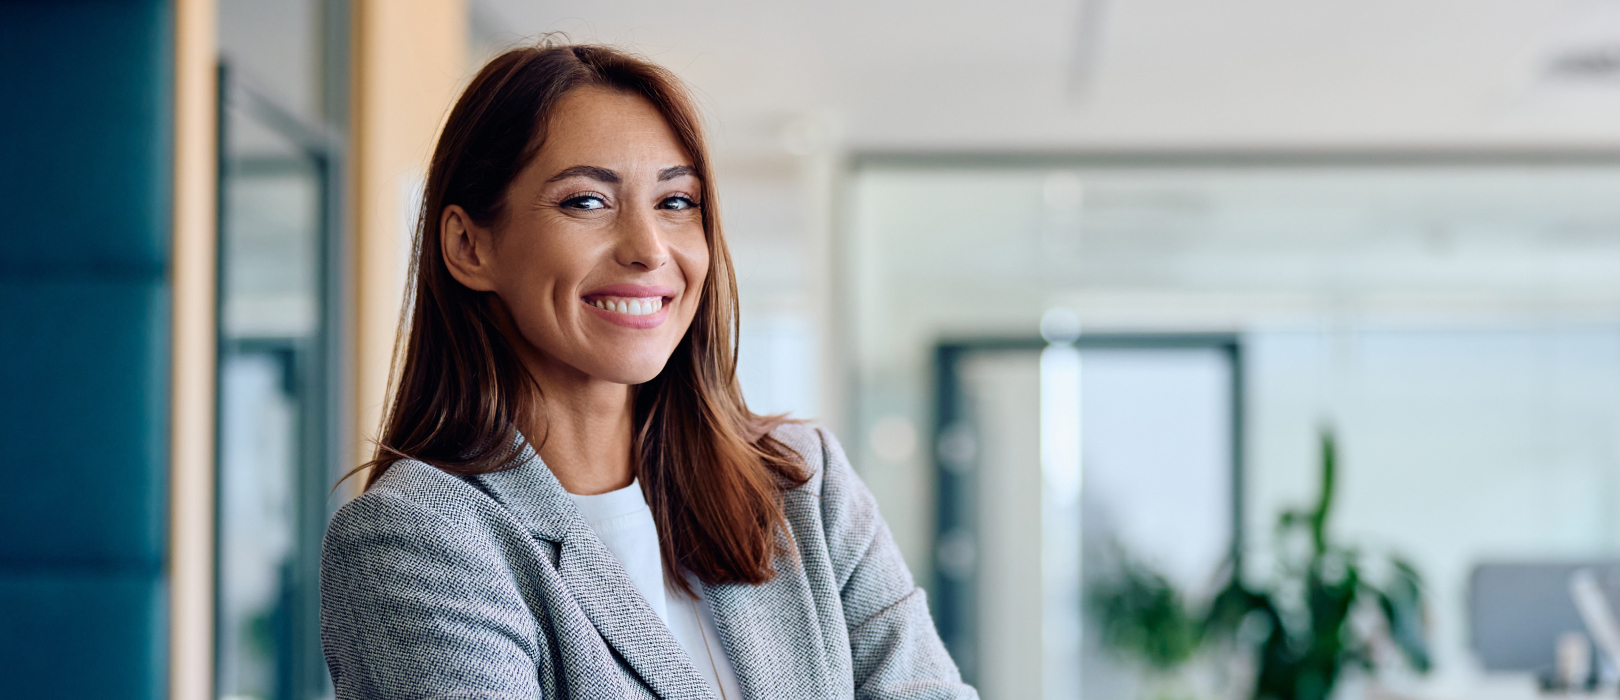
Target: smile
(635,307)
(630,305)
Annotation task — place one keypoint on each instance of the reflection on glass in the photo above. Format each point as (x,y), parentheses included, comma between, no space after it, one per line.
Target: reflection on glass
(1080,453)
(1157,427)
(270,403)
(256,510)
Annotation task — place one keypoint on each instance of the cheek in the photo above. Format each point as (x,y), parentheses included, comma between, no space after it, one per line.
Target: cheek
(534,268)
(694,262)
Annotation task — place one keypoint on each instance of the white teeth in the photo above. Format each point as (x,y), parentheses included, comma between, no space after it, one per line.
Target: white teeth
(631,307)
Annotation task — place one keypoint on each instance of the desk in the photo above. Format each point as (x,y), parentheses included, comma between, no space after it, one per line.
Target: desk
(1486,687)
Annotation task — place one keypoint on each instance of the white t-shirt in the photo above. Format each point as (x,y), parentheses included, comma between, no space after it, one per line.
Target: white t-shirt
(625,524)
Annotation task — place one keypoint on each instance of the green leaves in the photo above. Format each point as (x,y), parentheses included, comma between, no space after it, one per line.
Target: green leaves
(1324,501)
(1304,618)
(1401,603)
(1143,616)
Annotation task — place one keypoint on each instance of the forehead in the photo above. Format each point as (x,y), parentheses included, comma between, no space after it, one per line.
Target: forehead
(597,126)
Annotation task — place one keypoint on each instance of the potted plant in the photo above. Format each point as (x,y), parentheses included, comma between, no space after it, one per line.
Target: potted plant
(1300,625)
(1140,615)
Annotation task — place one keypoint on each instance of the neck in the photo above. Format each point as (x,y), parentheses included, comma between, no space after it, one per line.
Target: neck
(583,429)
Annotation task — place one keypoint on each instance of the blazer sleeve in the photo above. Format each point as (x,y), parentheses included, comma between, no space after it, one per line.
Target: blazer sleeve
(414,605)
(897,653)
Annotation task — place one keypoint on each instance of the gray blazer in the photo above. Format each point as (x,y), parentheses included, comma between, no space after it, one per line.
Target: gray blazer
(493,586)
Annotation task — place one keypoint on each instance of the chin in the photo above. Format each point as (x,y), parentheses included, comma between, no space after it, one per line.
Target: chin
(632,372)
(637,377)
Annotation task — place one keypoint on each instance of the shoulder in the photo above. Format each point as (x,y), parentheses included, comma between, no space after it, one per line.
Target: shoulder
(831,478)
(414,497)
(416,480)
(818,450)
(420,529)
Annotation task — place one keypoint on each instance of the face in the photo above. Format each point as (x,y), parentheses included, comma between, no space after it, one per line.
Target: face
(601,256)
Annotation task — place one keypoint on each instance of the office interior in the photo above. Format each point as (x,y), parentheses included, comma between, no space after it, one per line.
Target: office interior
(1092,291)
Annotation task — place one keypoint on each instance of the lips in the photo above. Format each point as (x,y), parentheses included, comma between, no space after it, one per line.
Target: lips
(630,305)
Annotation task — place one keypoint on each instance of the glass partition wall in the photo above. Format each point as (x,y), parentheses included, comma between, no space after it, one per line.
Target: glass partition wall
(1020,540)
(276,468)
(281,382)
(1453,321)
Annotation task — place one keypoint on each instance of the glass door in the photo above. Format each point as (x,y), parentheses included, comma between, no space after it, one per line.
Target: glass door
(1060,462)
(277,454)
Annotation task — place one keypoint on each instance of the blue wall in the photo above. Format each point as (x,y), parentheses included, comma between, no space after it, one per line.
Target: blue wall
(84,186)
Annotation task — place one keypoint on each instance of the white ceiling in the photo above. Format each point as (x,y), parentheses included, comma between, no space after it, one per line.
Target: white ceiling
(953,75)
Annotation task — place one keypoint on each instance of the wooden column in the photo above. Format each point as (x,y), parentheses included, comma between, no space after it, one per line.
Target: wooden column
(409,63)
(191,373)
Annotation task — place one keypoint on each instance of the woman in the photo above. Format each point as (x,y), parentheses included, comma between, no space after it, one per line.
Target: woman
(570,498)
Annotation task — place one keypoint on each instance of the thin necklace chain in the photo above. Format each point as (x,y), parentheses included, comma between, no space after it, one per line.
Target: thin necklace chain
(704,634)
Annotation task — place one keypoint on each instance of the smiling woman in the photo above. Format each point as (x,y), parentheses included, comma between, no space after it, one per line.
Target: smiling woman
(570,498)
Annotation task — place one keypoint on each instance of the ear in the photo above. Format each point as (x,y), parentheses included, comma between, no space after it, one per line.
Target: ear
(468,249)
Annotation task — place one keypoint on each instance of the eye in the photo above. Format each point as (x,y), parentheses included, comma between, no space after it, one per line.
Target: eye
(585,202)
(677,202)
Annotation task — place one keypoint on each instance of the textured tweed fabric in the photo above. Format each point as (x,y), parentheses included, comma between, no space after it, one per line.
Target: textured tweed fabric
(437,586)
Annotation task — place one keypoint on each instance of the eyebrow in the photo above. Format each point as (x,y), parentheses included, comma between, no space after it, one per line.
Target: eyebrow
(590,171)
(675,172)
(608,176)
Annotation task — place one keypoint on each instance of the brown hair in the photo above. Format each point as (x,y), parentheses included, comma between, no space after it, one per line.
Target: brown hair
(710,470)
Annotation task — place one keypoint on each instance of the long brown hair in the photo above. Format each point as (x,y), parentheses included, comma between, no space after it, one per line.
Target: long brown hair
(708,466)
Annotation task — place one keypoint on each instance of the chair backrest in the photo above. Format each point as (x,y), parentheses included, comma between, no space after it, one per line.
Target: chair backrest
(1517,610)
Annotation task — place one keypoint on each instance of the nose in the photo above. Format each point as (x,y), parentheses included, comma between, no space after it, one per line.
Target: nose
(642,243)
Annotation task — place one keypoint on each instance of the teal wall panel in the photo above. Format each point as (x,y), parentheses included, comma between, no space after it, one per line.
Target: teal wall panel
(85,122)
(83,376)
(84,156)
(93,633)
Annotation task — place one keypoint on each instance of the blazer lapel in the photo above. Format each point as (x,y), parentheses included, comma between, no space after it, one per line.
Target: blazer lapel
(595,578)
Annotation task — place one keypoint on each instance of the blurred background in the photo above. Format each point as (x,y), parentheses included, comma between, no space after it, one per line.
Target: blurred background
(1192,350)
